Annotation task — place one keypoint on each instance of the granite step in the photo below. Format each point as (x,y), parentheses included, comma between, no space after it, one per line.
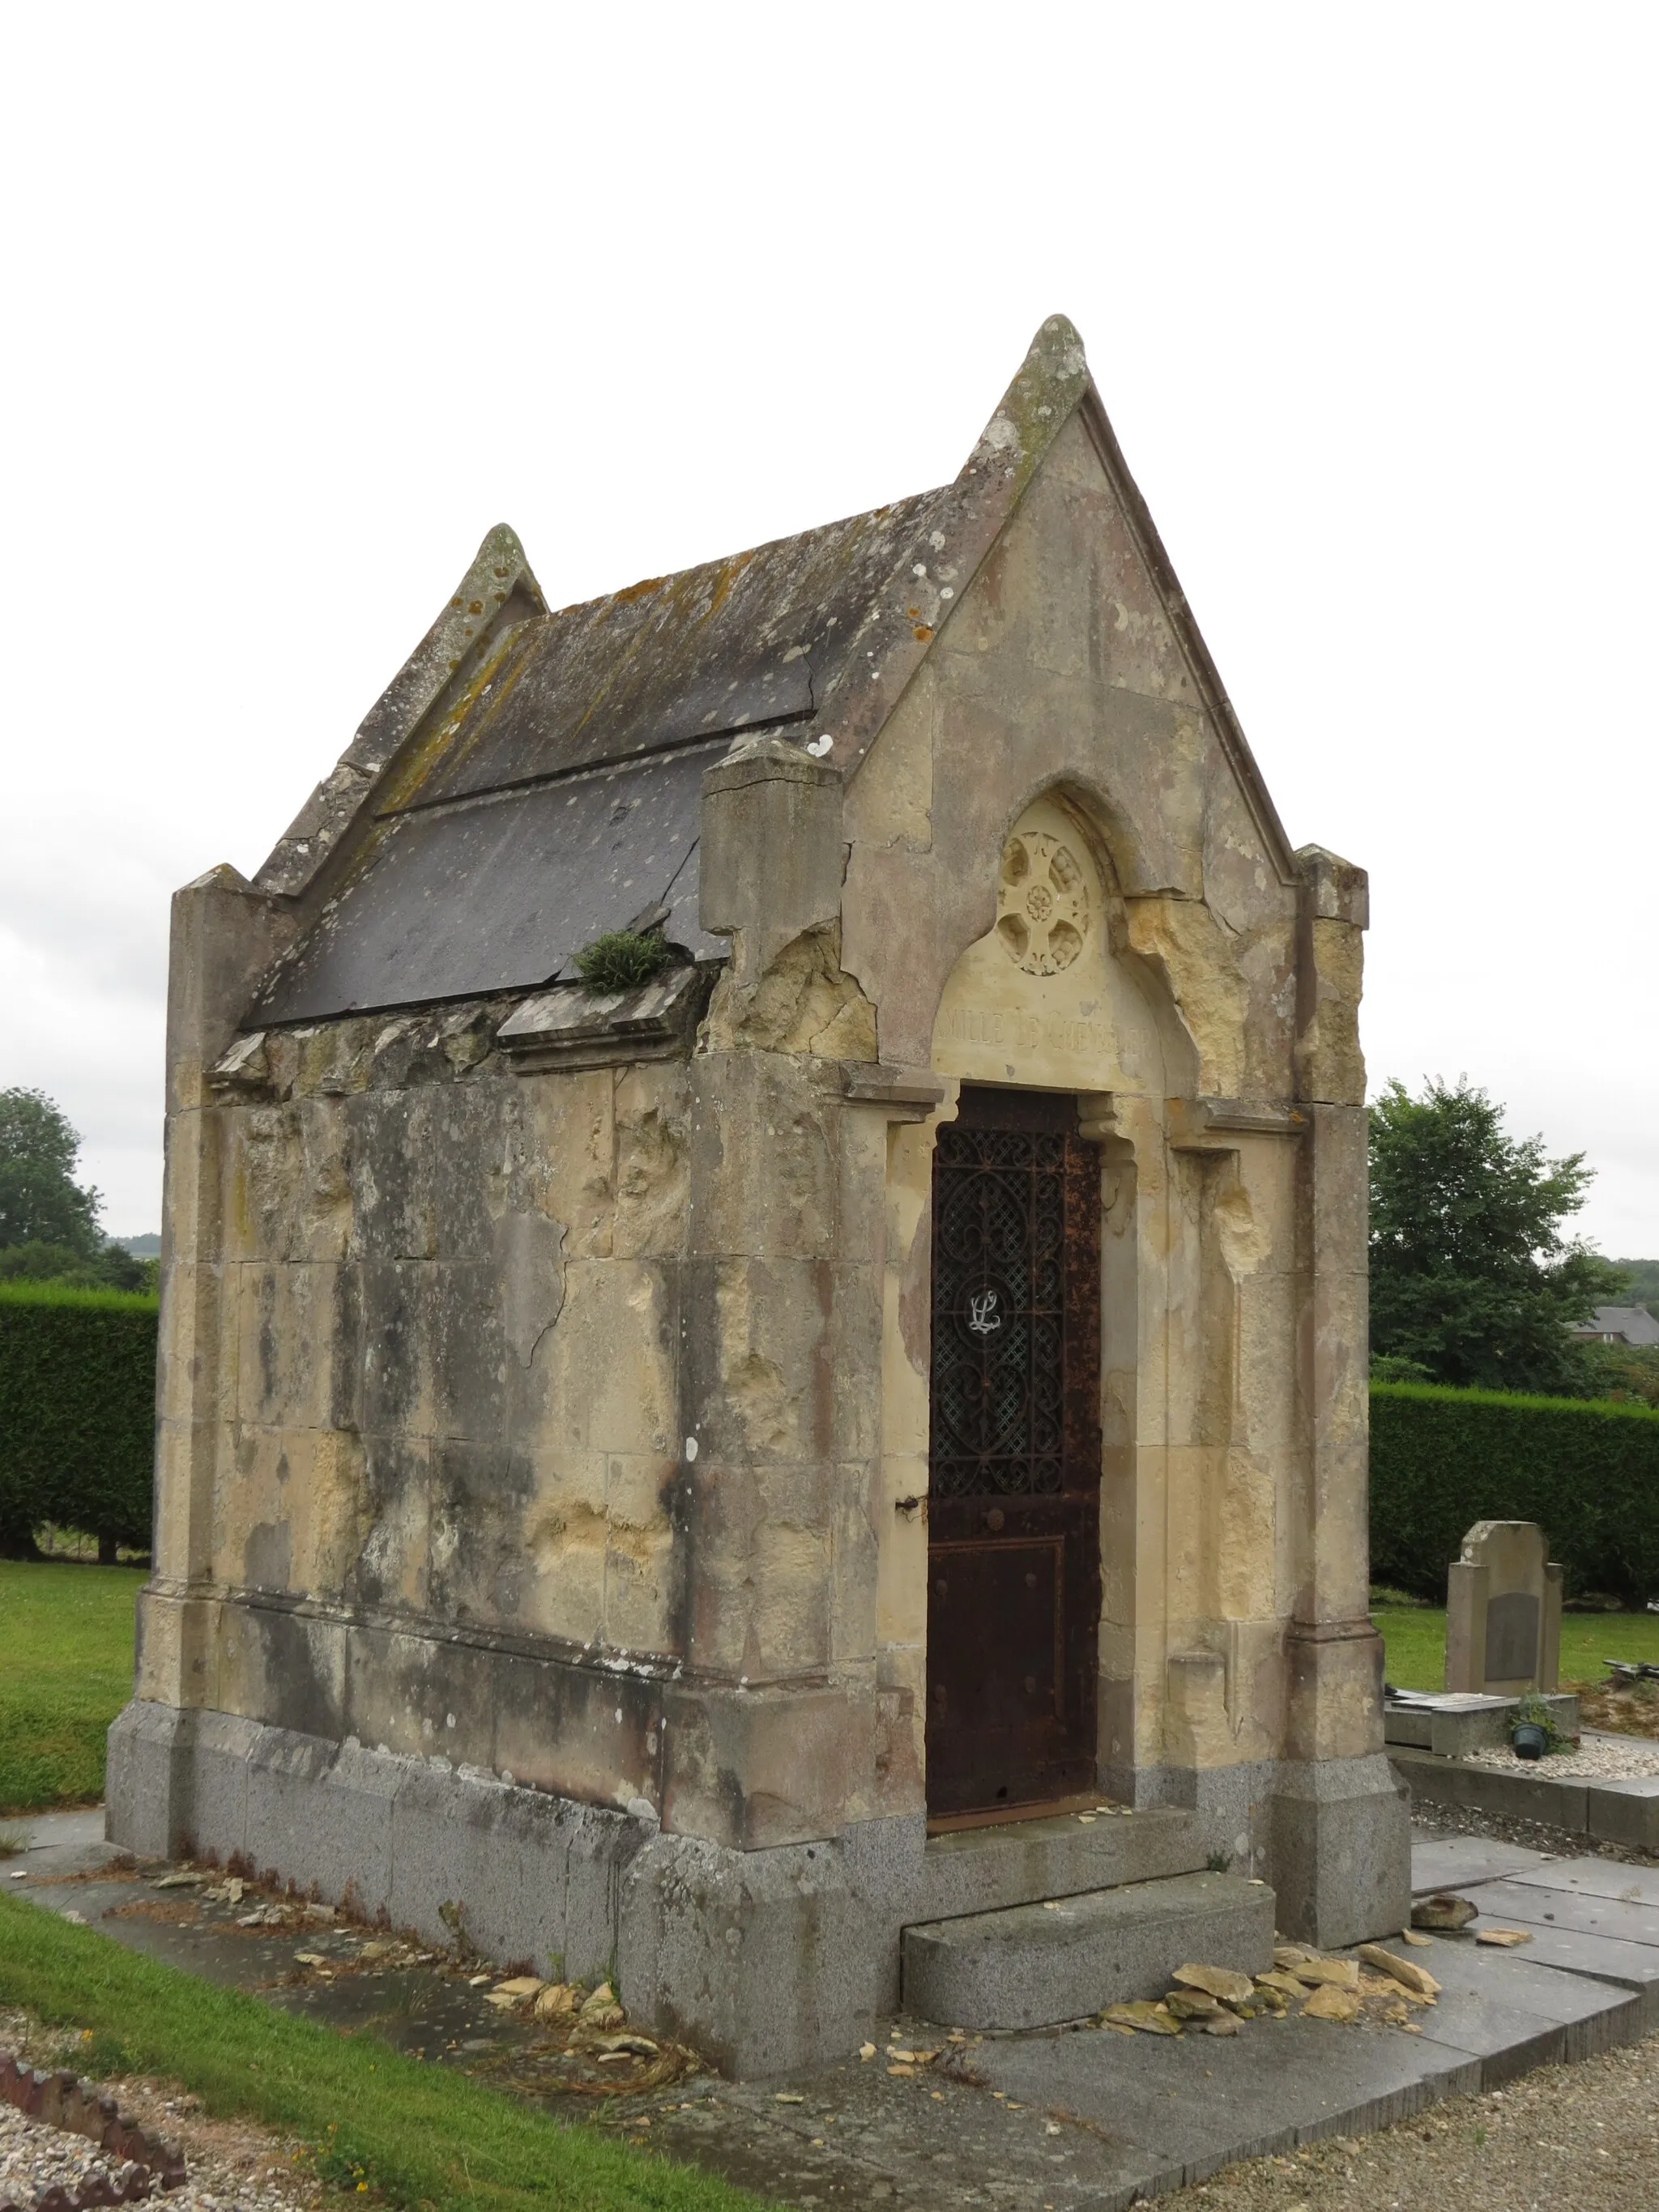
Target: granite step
(1022,1861)
(1033,1965)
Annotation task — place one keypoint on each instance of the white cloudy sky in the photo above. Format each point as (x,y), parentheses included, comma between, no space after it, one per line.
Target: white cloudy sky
(303,300)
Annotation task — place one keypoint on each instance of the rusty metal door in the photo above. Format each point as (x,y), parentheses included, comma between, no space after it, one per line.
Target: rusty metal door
(1013,1551)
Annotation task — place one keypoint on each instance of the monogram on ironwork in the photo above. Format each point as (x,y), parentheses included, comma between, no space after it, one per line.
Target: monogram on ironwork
(1000,1308)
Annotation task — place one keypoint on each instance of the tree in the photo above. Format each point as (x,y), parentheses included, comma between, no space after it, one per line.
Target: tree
(1472,1277)
(41,1202)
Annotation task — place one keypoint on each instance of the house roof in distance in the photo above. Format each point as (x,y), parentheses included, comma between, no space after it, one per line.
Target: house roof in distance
(530,778)
(1635,1324)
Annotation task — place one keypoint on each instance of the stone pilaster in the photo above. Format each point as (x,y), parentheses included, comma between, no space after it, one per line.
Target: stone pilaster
(1341,1827)
(225,935)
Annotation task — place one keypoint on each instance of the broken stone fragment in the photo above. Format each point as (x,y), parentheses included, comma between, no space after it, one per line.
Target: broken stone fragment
(520,1985)
(1223,1982)
(1443,1912)
(1281,1984)
(557,2000)
(1413,1977)
(1225,2023)
(1149,2019)
(1330,2003)
(1193,2004)
(1334,1973)
(628,2045)
(1506,1938)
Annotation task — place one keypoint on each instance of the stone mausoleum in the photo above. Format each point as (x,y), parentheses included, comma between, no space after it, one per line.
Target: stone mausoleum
(719,1481)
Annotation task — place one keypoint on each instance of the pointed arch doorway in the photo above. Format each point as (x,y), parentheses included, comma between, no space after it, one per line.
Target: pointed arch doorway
(1013,1554)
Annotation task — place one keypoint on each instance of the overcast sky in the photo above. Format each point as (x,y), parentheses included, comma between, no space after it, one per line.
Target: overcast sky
(303,299)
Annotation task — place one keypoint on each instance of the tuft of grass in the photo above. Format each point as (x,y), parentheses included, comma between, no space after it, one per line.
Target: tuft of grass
(12,1843)
(65,1672)
(424,2138)
(621,961)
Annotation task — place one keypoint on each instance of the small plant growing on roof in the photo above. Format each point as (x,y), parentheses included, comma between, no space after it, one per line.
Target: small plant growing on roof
(621,960)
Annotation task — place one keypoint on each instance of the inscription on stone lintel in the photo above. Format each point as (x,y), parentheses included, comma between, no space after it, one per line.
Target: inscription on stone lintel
(1018,1031)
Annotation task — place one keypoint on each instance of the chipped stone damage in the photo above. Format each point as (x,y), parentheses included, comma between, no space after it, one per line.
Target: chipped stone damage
(543,1439)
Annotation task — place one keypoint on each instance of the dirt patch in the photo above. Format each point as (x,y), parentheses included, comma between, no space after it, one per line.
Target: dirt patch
(1623,1708)
(171,1912)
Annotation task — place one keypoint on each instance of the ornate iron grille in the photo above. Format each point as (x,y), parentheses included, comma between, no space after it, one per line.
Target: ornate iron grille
(1004,1301)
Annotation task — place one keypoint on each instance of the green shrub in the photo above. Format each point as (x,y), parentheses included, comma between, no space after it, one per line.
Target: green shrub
(621,961)
(77,1412)
(1587,1472)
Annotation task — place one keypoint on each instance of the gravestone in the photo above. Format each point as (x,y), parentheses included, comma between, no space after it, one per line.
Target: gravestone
(1504,1611)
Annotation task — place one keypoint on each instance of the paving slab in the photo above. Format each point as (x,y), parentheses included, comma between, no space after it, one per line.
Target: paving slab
(1454,1861)
(1632,1884)
(1630,1920)
(1199,2101)
(1513,2013)
(54,1830)
(1609,1948)
(938,2140)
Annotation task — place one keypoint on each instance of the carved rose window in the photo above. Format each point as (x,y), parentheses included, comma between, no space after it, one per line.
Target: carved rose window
(1042,903)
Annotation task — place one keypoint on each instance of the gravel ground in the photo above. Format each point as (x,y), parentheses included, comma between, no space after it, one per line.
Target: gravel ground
(1582,2138)
(1613,1756)
(230,2166)
(1534,1835)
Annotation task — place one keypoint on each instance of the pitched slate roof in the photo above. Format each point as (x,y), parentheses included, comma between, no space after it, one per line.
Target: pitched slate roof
(530,778)
(1635,1324)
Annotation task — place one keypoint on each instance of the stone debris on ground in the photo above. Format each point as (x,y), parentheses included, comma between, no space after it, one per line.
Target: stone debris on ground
(578,2039)
(1215,2000)
(1443,1912)
(1594,1757)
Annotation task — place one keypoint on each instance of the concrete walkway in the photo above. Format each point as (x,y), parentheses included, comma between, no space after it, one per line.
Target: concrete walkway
(1078,2120)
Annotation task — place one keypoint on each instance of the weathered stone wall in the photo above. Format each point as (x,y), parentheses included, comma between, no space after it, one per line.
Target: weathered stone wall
(1209,1028)
(432,1432)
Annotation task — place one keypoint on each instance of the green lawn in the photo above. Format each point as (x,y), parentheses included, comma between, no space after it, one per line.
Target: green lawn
(65,1672)
(1414,1639)
(421,2136)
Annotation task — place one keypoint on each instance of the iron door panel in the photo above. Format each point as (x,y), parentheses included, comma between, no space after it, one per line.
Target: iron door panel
(1013,1510)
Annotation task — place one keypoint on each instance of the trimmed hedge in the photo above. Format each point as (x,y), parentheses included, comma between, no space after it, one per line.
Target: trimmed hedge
(1587,1472)
(77,1412)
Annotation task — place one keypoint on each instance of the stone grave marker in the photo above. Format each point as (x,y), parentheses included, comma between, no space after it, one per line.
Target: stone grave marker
(1503,1612)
